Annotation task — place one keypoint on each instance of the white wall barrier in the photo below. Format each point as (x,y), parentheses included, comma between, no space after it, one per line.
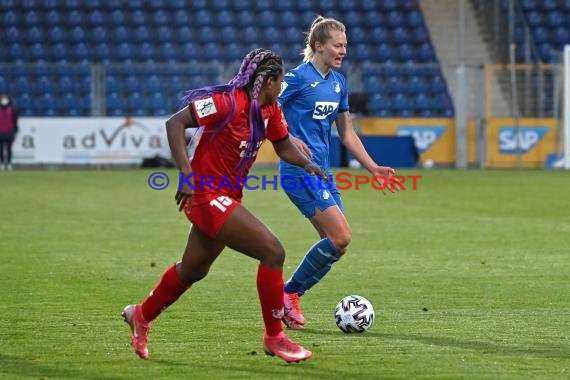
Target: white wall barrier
(95,141)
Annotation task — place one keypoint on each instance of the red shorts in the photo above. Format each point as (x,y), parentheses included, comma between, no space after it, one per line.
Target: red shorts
(210,213)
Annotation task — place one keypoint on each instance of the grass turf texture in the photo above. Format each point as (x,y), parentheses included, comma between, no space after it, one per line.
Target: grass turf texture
(469,276)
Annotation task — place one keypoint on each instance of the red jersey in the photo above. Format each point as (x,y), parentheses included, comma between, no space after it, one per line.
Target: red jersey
(219,151)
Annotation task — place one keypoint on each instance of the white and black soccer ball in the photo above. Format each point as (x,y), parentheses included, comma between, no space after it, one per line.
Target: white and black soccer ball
(354,314)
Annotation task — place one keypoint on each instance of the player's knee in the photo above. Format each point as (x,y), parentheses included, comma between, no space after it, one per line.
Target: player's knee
(274,254)
(341,240)
(192,275)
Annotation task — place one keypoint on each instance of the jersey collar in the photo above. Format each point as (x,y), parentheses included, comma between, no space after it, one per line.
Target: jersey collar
(319,71)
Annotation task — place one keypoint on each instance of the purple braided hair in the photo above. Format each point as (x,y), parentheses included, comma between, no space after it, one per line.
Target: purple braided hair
(256,67)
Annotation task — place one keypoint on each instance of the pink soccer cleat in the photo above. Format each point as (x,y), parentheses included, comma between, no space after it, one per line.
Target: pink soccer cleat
(293,318)
(139,329)
(285,348)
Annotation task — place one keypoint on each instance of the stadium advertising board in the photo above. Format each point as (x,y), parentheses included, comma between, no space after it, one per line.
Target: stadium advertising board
(90,140)
(531,142)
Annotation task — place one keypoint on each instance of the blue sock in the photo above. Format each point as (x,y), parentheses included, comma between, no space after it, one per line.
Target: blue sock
(315,278)
(314,266)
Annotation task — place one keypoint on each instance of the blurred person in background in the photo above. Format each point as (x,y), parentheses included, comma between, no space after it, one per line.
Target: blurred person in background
(8,130)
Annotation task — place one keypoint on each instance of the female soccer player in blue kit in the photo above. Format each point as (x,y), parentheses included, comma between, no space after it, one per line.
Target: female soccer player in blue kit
(313,96)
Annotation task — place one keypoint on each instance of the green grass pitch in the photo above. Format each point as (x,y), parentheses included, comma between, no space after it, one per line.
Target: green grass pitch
(469,275)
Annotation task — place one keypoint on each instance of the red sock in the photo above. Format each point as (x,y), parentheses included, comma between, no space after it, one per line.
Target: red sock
(270,290)
(164,294)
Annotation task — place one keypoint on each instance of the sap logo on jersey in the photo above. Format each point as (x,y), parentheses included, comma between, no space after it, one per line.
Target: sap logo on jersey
(424,137)
(511,142)
(324,109)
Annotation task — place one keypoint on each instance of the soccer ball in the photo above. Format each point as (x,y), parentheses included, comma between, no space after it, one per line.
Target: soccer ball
(354,314)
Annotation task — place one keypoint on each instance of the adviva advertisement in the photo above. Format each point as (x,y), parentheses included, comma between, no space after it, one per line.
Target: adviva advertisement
(90,140)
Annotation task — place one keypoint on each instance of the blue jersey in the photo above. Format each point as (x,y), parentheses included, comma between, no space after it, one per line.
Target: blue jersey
(311,103)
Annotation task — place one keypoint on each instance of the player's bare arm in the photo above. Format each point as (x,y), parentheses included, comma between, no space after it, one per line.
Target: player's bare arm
(354,145)
(175,126)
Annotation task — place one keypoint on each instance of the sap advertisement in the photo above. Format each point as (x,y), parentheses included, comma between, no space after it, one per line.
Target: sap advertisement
(531,142)
(434,138)
(90,140)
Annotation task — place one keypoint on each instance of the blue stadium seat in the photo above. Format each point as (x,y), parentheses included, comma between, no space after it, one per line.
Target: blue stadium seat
(38,52)
(120,34)
(122,52)
(535,18)
(224,18)
(228,34)
(111,84)
(17,53)
(393,85)
(78,34)
(70,105)
(441,102)
(138,17)
(373,19)
(420,35)
(262,5)
(345,5)
(153,84)
(35,34)
(422,102)
(212,51)
(426,53)
(163,34)
(22,85)
(145,52)
(134,100)
(181,17)
(362,52)
(378,103)
(167,51)
(249,35)
(115,104)
(11,18)
(395,18)
(132,84)
(4,86)
(437,84)
(288,18)
(417,85)
(118,17)
(373,84)
(415,18)
(75,17)
(207,34)
(160,17)
(550,5)
(529,5)
(177,4)
(406,52)
(25,103)
(384,52)
(13,35)
(31,17)
(380,35)
(401,35)
(242,5)
(203,18)
(159,104)
(53,18)
(245,18)
(266,18)
(389,5)
(46,104)
(357,35)
(352,19)
(184,34)
(561,35)
(56,34)
(556,18)
(400,102)
(272,35)
(97,17)
(98,34)
(102,52)
(541,34)
(191,51)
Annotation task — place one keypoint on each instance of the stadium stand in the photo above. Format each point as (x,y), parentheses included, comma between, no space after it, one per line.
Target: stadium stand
(131,42)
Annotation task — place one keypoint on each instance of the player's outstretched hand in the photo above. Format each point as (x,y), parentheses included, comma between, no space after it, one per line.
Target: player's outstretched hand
(315,170)
(182,197)
(381,175)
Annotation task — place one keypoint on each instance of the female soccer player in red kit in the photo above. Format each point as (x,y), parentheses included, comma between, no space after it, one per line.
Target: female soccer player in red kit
(235,118)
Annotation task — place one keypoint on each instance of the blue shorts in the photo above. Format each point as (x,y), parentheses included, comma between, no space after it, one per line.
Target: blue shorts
(308,194)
